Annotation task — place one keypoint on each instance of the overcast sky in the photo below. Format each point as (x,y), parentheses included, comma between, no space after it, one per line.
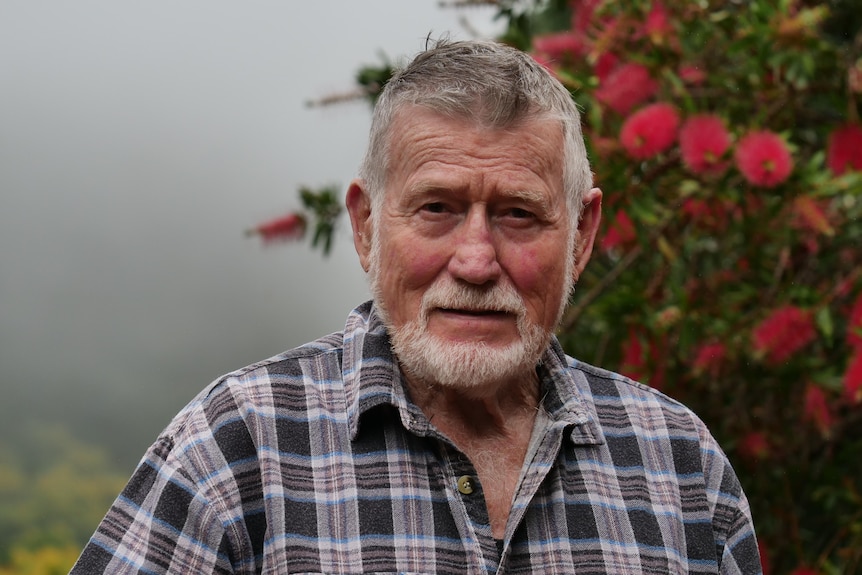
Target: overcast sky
(137,141)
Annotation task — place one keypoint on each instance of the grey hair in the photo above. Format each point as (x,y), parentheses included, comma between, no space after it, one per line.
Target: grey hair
(490,83)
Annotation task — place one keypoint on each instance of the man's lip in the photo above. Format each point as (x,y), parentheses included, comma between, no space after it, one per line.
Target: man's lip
(473,312)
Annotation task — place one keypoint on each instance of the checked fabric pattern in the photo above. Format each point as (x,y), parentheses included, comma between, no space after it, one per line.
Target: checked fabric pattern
(315,461)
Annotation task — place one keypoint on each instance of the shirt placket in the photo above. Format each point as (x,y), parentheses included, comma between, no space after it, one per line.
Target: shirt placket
(544,449)
(467,502)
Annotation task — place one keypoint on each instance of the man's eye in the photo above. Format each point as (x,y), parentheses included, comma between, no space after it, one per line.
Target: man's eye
(435,207)
(520,213)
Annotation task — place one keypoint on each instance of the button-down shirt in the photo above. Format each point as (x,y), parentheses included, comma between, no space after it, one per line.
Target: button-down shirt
(317,461)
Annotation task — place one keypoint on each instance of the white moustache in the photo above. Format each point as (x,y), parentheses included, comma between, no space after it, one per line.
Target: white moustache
(450,295)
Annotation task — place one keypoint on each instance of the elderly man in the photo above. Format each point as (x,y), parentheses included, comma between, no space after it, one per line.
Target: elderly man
(444,430)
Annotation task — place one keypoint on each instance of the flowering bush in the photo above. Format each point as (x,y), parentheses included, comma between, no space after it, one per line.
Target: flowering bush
(727,140)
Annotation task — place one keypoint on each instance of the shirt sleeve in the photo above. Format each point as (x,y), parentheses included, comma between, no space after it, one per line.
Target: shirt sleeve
(160,523)
(731,516)
(741,556)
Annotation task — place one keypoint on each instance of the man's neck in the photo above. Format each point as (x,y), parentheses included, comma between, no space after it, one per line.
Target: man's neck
(480,412)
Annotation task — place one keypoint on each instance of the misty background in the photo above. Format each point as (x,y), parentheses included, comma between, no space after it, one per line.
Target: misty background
(137,142)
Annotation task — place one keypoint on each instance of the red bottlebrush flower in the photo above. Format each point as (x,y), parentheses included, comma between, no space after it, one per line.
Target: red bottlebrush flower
(582,13)
(562,46)
(289,227)
(650,131)
(754,446)
(644,364)
(854,326)
(696,209)
(633,361)
(853,378)
(703,140)
(691,74)
(714,213)
(816,410)
(620,232)
(605,64)
(787,330)
(764,159)
(658,26)
(843,287)
(626,87)
(844,151)
(709,358)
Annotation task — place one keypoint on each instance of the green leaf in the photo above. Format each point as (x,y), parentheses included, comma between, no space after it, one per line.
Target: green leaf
(825,323)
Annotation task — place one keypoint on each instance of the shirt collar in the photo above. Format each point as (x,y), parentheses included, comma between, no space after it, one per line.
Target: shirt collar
(372,378)
(566,397)
(371,374)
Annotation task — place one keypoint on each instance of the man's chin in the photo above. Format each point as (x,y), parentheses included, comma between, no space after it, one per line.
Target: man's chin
(481,341)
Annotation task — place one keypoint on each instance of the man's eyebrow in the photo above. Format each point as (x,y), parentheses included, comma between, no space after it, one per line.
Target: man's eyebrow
(532,197)
(420,189)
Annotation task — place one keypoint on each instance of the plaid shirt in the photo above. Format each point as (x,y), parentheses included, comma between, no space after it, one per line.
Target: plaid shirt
(315,461)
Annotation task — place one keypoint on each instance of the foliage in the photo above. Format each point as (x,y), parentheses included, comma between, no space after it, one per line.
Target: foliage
(726,138)
(325,204)
(322,206)
(41,561)
(730,259)
(372,79)
(53,493)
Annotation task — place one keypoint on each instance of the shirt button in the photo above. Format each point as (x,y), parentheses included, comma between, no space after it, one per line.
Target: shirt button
(465,484)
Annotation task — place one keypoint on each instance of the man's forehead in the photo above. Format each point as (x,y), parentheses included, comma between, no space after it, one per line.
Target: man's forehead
(539,137)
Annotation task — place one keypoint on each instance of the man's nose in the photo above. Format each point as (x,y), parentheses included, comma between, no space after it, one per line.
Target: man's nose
(474,259)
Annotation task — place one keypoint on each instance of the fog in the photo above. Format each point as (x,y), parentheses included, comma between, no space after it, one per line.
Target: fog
(137,142)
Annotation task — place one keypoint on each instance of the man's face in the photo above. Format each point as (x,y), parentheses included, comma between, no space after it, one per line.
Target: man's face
(472,250)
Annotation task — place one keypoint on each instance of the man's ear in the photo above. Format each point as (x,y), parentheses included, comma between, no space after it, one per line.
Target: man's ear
(359,207)
(588,227)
